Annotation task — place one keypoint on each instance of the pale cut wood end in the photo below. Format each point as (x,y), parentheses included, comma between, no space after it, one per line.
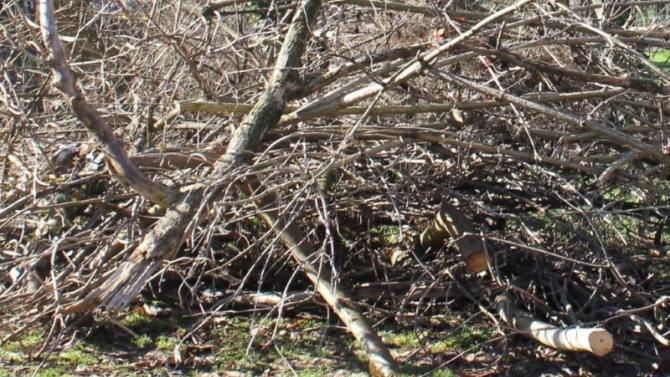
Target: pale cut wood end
(601,342)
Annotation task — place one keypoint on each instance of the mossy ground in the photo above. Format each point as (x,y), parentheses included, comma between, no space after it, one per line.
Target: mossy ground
(298,344)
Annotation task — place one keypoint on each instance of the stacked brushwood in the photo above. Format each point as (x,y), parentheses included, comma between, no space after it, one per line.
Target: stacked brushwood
(401,156)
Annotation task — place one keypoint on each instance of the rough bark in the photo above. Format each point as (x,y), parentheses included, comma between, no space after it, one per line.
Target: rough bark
(167,235)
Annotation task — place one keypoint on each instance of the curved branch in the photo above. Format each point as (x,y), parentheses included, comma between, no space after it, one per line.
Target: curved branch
(119,163)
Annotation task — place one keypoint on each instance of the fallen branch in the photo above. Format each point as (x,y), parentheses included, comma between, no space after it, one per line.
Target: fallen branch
(289,116)
(634,83)
(381,361)
(175,159)
(599,128)
(594,340)
(168,234)
(451,222)
(231,107)
(407,291)
(413,69)
(63,79)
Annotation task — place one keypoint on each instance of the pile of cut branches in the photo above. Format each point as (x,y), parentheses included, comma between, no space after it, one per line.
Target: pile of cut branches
(277,155)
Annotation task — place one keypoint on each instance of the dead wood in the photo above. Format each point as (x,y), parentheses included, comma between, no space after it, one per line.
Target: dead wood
(450,222)
(405,291)
(643,85)
(63,79)
(550,120)
(600,128)
(177,159)
(595,340)
(412,70)
(381,360)
(169,232)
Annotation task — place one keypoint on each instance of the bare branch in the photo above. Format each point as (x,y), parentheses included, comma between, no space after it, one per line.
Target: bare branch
(119,162)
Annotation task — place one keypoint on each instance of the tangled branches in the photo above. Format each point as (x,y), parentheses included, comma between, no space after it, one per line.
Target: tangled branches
(239,142)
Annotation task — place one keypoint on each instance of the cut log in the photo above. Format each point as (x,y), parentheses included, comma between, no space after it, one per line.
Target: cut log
(594,340)
(451,222)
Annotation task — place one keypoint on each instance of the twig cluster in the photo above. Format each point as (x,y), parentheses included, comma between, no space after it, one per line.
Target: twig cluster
(241,147)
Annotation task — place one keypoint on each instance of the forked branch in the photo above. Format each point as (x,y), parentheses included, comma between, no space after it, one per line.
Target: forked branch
(167,235)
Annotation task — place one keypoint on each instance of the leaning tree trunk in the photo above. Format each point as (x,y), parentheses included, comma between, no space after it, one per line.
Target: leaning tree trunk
(167,235)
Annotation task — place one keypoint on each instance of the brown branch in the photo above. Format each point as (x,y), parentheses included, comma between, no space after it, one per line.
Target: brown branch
(331,75)
(175,159)
(639,84)
(232,107)
(412,70)
(304,253)
(599,128)
(167,235)
(404,290)
(63,79)
(209,9)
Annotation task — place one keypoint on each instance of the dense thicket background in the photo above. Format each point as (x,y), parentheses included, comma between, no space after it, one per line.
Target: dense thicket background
(548,129)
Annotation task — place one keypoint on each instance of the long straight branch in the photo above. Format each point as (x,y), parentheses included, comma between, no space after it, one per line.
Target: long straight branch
(303,252)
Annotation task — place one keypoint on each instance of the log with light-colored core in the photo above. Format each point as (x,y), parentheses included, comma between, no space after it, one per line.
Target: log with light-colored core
(595,340)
